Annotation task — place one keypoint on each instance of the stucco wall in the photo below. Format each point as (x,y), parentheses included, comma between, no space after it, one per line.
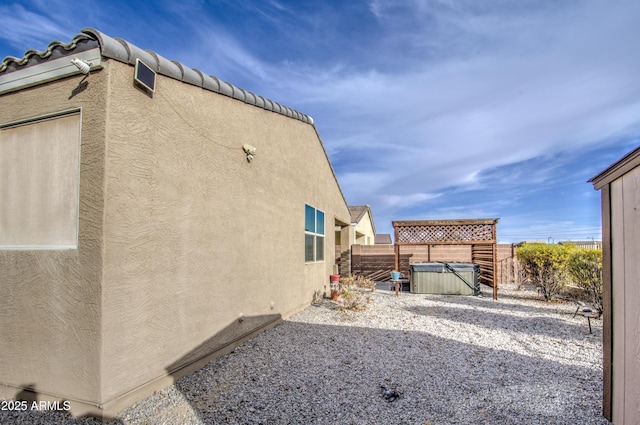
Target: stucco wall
(183,246)
(50,299)
(201,246)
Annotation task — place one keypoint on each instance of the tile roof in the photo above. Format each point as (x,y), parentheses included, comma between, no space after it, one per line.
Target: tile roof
(123,51)
(55,50)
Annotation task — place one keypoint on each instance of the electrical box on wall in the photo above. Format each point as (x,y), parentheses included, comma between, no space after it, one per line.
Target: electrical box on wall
(144,76)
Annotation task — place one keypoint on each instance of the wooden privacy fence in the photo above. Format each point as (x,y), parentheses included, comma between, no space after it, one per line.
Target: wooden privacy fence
(479,233)
(376,262)
(485,257)
(509,270)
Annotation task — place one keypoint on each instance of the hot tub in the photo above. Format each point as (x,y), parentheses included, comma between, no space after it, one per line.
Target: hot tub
(444,278)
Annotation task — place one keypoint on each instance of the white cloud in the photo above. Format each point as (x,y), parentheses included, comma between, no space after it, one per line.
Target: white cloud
(429,97)
(407,200)
(230,54)
(461,115)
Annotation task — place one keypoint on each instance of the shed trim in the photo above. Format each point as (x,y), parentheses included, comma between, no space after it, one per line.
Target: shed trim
(617,169)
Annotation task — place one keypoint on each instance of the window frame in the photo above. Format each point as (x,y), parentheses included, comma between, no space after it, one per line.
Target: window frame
(314,234)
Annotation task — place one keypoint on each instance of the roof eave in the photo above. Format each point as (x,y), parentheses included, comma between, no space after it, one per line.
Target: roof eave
(91,45)
(617,169)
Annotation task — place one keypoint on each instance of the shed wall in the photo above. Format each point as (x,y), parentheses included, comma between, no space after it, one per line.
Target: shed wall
(625,303)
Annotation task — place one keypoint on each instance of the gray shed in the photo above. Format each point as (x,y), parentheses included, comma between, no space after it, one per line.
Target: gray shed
(619,186)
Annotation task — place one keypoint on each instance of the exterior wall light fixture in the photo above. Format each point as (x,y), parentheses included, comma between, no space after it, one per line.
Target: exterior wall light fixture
(250,151)
(82,65)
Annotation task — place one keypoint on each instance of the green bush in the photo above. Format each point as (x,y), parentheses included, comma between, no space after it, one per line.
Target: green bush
(545,266)
(585,268)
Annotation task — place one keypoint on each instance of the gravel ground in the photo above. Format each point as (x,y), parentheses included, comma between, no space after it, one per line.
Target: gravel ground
(451,360)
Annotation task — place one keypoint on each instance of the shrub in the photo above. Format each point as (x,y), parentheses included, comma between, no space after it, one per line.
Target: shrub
(545,266)
(356,292)
(585,268)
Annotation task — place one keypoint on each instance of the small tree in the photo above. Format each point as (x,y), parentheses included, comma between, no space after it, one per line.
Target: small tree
(585,268)
(545,266)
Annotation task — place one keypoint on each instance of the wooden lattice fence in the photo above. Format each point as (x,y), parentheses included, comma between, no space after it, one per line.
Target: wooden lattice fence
(421,232)
(479,233)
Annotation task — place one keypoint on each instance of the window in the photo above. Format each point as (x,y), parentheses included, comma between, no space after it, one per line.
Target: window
(39,181)
(313,234)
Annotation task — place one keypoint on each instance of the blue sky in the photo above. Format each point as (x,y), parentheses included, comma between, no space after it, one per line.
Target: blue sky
(428,109)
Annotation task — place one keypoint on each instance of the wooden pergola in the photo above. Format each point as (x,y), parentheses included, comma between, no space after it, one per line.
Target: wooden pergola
(479,233)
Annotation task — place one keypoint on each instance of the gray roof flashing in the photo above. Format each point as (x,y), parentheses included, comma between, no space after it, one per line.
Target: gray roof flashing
(123,51)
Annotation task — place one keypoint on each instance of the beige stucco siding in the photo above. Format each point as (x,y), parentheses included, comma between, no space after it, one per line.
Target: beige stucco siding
(363,231)
(196,237)
(625,232)
(50,299)
(183,247)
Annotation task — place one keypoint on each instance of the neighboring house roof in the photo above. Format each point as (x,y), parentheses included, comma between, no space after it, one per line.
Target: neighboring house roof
(577,242)
(358,212)
(532,241)
(123,51)
(583,244)
(383,239)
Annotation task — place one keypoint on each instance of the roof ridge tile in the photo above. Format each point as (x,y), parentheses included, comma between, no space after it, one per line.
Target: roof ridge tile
(50,50)
(121,50)
(211,83)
